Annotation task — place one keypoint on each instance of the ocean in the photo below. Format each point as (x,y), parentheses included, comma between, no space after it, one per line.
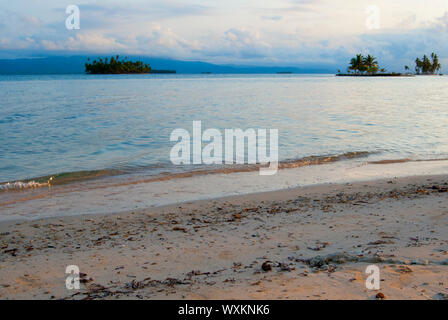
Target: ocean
(89,130)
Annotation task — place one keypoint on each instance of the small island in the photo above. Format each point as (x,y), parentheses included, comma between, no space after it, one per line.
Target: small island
(425,66)
(367,66)
(115,66)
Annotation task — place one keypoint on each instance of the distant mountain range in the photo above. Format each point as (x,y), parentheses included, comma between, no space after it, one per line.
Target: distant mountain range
(75,65)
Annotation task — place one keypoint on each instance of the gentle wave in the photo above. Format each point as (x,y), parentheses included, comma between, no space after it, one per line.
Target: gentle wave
(78,176)
(57,179)
(19,185)
(316,160)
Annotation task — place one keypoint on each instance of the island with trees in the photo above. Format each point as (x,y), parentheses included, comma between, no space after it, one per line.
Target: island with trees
(426,66)
(367,66)
(117,65)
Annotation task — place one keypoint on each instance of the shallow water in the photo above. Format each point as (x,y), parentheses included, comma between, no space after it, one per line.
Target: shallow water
(122,124)
(105,196)
(78,144)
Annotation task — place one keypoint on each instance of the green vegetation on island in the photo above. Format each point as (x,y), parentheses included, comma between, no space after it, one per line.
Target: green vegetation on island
(361,64)
(427,67)
(115,65)
(367,66)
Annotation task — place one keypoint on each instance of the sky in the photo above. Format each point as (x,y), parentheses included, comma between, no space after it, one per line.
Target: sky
(252,32)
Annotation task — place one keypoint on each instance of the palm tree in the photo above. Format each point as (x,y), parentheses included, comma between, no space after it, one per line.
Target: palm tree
(360,63)
(371,64)
(436,66)
(418,65)
(426,66)
(353,65)
(357,64)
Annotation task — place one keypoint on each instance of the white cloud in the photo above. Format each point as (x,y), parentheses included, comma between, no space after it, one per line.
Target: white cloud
(280,32)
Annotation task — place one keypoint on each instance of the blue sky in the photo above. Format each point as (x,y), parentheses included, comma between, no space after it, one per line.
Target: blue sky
(280,32)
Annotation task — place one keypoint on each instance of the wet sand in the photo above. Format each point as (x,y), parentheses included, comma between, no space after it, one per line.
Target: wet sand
(314,242)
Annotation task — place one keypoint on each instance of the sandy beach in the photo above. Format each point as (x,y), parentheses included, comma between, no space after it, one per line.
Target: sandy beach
(212,159)
(301,243)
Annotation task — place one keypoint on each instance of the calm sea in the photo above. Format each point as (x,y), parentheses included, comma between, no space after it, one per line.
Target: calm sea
(82,126)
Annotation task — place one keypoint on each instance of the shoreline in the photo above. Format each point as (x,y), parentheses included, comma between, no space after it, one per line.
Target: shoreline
(62,178)
(375,75)
(106,196)
(214,249)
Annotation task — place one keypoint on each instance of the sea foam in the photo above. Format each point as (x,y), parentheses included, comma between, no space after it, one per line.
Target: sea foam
(17,185)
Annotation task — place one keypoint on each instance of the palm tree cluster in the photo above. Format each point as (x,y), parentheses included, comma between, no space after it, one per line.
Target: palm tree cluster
(115,66)
(426,65)
(361,64)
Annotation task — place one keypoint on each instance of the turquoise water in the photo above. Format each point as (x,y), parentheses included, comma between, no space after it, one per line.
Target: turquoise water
(122,123)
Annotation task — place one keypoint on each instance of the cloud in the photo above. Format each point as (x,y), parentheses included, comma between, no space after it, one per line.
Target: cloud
(402,47)
(237,44)
(283,32)
(273,18)
(441,24)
